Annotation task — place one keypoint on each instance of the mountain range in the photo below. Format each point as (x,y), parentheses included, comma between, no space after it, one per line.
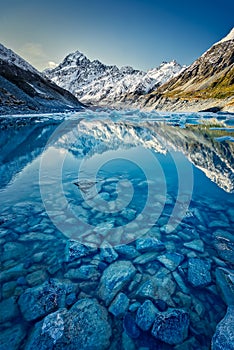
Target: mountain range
(207,84)
(93,82)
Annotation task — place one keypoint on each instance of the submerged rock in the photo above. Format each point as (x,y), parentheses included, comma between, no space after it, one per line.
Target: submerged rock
(85,326)
(119,306)
(114,279)
(127,251)
(196,245)
(108,253)
(223,338)
(11,338)
(39,301)
(171,260)
(83,273)
(225,283)
(8,310)
(146,315)
(171,327)
(224,245)
(76,250)
(149,244)
(199,272)
(131,327)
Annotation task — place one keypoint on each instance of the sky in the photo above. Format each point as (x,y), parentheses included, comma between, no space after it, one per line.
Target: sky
(140,33)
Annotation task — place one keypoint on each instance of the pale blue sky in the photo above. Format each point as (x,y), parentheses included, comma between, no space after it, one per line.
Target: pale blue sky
(141,33)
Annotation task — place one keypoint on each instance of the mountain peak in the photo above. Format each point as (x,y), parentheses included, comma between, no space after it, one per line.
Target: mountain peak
(229,36)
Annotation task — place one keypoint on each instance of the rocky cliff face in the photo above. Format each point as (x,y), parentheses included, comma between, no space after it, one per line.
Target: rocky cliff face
(24,90)
(207,83)
(96,83)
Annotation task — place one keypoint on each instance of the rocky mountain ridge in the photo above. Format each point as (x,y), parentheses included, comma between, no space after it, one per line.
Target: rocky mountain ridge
(96,83)
(25,90)
(208,83)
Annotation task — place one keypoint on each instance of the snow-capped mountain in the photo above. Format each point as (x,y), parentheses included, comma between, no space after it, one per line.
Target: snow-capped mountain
(206,84)
(95,82)
(23,89)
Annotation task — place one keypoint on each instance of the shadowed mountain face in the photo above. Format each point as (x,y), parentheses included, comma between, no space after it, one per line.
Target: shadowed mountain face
(24,90)
(22,142)
(210,78)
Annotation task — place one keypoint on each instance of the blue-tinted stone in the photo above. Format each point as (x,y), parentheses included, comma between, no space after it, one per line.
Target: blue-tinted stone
(171,260)
(71,299)
(130,326)
(114,278)
(223,338)
(199,272)
(171,327)
(119,306)
(161,305)
(149,244)
(84,326)
(225,284)
(76,250)
(11,338)
(108,253)
(146,315)
(127,251)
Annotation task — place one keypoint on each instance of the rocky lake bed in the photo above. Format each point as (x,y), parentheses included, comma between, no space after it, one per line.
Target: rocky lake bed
(169,287)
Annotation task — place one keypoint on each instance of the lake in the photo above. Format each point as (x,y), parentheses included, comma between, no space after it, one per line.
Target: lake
(116,229)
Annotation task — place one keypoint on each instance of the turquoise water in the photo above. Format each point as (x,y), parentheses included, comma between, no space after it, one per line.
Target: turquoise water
(106,179)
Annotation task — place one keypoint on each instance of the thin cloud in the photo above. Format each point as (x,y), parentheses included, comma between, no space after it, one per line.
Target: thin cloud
(52,64)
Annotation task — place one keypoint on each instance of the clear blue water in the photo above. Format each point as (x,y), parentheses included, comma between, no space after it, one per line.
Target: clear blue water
(108,178)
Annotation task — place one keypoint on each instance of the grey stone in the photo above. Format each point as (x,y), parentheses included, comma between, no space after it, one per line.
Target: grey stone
(11,338)
(39,301)
(223,338)
(171,260)
(171,327)
(146,315)
(8,310)
(114,279)
(225,284)
(199,272)
(149,244)
(85,326)
(119,306)
(196,245)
